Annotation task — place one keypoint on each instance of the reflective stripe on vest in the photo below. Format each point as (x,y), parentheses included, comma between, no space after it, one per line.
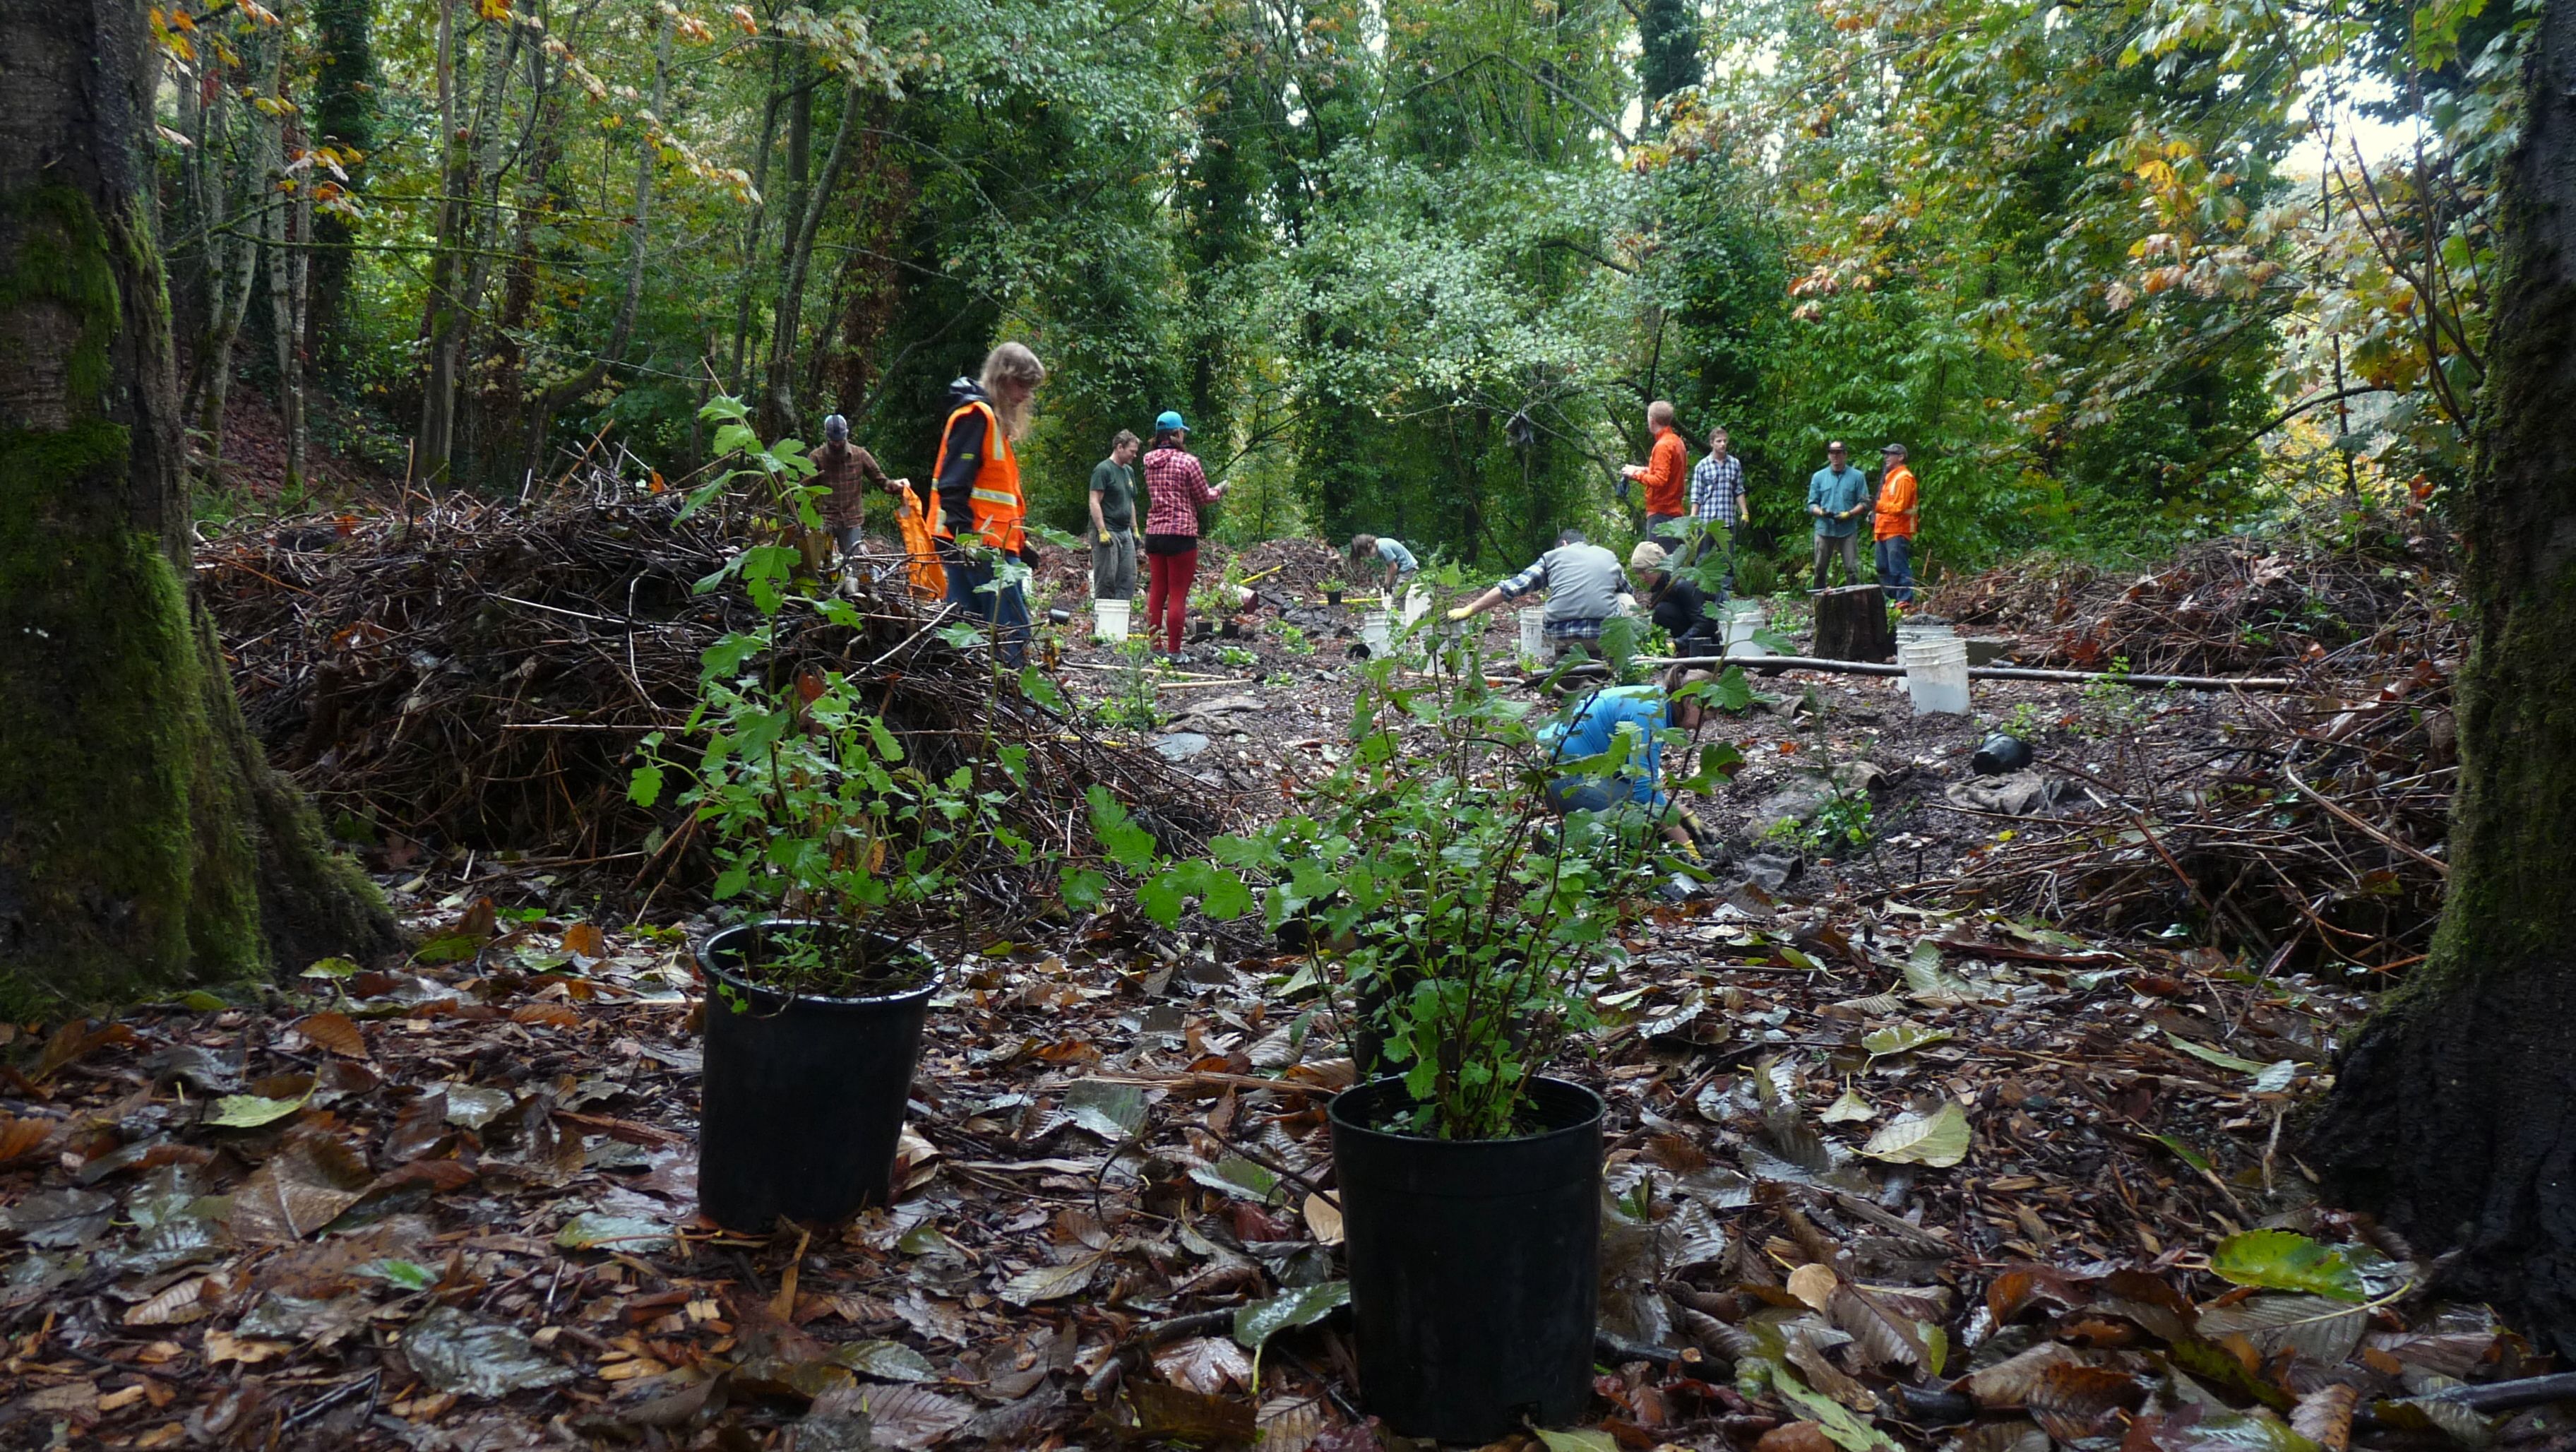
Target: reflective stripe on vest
(994,505)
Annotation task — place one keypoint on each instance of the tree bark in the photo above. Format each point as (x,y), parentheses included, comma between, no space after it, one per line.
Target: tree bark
(232,253)
(442,323)
(1851,624)
(541,409)
(144,842)
(344,113)
(2453,1115)
(288,230)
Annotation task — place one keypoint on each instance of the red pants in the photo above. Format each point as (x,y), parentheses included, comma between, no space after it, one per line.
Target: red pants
(1168,585)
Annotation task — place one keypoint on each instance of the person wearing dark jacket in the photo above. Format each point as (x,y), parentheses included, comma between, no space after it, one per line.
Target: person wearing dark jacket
(977,509)
(1680,605)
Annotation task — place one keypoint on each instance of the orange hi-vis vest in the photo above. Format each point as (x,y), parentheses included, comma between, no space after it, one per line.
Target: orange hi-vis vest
(994,507)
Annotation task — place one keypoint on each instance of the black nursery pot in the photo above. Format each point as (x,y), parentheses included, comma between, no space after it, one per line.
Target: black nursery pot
(804,1096)
(1473,1265)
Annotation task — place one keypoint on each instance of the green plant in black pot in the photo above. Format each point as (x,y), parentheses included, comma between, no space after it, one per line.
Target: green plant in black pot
(835,849)
(1452,913)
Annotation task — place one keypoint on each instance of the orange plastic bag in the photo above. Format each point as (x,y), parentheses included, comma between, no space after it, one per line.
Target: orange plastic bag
(929,577)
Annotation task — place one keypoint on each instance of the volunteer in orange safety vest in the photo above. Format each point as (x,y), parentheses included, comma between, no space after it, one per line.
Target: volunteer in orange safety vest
(978,493)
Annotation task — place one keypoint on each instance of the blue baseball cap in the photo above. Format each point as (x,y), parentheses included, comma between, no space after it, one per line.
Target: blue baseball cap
(1166,421)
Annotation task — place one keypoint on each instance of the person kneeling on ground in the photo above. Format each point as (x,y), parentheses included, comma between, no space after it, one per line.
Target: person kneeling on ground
(1583,584)
(1598,720)
(1679,605)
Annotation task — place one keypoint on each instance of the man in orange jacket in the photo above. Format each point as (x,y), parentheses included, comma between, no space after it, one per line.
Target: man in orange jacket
(1899,508)
(1666,474)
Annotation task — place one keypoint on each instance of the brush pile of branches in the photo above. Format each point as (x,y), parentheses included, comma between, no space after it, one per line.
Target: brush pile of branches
(479,675)
(2232,606)
(2311,832)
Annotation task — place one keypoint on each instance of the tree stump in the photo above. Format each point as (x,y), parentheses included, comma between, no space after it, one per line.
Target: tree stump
(1851,624)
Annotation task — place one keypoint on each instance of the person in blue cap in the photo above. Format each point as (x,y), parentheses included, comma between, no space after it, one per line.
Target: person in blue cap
(1175,490)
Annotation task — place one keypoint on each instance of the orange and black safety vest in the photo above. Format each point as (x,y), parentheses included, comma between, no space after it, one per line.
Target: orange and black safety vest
(995,507)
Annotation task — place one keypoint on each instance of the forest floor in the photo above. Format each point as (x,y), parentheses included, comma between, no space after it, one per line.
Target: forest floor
(1887,1163)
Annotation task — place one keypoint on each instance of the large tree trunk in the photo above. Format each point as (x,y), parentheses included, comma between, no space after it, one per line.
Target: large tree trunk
(144,842)
(2453,1114)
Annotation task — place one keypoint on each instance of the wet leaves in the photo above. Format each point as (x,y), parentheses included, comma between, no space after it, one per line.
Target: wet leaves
(334,1031)
(303,1187)
(1052,1282)
(1112,1111)
(59,1218)
(1176,1413)
(252,1111)
(2074,1400)
(1205,1364)
(2284,1260)
(908,1417)
(455,1351)
(1258,1322)
(1939,1138)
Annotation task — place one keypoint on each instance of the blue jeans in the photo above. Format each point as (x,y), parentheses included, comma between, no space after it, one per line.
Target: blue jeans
(970,589)
(1896,567)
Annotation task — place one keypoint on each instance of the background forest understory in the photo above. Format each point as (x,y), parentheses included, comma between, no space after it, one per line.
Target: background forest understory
(2118,275)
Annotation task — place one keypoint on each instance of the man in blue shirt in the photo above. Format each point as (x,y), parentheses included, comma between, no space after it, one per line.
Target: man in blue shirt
(1838,495)
(1369,551)
(1599,719)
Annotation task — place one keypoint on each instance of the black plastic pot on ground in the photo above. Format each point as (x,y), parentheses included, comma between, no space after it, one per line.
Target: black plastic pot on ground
(1473,1264)
(804,1097)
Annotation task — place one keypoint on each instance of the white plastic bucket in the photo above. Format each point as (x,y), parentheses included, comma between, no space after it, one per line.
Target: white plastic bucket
(1109,620)
(1376,634)
(1936,675)
(1742,619)
(1534,635)
(1417,603)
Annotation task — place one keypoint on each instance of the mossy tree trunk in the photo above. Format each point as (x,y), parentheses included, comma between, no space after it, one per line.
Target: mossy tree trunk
(144,842)
(2453,1114)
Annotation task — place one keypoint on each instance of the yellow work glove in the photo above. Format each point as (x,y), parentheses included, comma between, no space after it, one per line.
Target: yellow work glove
(1104,536)
(1461,613)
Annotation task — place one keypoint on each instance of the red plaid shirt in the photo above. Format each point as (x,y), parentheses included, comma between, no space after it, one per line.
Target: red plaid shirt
(1175,487)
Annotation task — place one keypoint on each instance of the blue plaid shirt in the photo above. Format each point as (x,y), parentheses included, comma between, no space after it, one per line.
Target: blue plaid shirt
(1717,490)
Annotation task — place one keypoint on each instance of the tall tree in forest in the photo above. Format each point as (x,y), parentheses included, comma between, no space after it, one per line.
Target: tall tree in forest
(144,841)
(344,119)
(1668,48)
(2452,1111)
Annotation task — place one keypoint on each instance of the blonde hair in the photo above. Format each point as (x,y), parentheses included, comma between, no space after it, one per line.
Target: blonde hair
(1011,363)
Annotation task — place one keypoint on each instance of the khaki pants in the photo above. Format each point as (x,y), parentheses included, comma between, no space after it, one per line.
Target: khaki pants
(1849,545)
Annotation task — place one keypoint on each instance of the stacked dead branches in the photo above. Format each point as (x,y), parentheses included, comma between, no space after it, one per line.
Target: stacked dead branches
(2312,833)
(2225,607)
(480,675)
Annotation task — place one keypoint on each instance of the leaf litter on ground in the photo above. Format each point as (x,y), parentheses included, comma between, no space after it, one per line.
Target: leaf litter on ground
(1884,1190)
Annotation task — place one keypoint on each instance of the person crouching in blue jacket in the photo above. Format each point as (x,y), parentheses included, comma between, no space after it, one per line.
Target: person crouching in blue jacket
(1599,719)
